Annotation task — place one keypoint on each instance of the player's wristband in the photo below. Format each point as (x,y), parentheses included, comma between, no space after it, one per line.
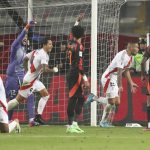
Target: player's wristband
(76,23)
(85,78)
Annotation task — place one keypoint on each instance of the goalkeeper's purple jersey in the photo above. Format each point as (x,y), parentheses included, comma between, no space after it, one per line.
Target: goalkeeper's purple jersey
(18,52)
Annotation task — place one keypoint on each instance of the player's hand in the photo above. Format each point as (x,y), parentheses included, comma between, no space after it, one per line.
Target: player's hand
(32,23)
(143,78)
(134,87)
(86,84)
(120,89)
(80,17)
(85,88)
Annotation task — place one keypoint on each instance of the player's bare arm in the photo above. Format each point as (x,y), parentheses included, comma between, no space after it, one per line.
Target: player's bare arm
(120,79)
(133,85)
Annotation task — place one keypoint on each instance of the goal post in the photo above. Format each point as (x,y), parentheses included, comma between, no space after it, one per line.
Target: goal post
(94,11)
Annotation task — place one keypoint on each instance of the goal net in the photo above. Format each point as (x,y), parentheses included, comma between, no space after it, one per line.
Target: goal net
(55,18)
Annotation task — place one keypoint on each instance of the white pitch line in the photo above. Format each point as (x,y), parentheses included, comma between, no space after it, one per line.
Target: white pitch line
(67,136)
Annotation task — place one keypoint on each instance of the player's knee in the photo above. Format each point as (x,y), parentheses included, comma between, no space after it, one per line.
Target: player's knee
(117,103)
(111,101)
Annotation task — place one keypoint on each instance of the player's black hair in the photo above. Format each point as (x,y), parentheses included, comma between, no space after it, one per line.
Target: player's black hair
(77,31)
(45,40)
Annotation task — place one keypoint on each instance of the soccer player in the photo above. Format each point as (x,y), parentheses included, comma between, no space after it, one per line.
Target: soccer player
(145,79)
(16,72)
(38,61)
(112,82)
(76,78)
(6,127)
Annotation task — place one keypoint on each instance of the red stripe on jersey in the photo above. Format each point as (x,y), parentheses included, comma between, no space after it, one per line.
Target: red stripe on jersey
(106,85)
(114,70)
(128,63)
(3,106)
(76,86)
(32,68)
(24,87)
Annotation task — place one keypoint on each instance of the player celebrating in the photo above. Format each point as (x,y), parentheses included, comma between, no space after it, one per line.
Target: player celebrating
(76,78)
(145,79)
(38,64)
(112,82)
(6,127)
(16,72)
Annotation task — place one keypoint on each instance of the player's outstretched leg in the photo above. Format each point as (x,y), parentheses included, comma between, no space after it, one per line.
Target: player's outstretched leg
(91,97)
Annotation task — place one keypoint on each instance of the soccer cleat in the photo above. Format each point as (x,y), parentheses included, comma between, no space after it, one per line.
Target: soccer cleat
(105,124)
(38,119)
(72,129)
(90,98)
(78,128)
(33,123)
(18,128)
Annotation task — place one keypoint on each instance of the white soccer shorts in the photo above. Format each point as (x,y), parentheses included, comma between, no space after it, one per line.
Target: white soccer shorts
(110,87)
(3,116)
(36,87)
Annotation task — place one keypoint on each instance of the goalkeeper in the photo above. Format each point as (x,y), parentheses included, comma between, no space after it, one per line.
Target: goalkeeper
(76,78)
(16,72)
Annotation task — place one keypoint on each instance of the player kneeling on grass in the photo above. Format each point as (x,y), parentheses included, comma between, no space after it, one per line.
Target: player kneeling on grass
(112,83)
(6,127)
(38,63)
(76,79)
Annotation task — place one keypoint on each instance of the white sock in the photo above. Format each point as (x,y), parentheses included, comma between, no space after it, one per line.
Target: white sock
(12,126)
(112,114)
(41,104)
(31,119)
(102,100)
(12,104)
(75,123)
(148,124)
(106,112)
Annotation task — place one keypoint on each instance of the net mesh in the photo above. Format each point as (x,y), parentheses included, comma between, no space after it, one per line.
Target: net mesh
(55,19)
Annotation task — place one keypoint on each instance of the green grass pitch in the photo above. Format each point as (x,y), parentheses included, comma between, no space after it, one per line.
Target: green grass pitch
(94,138)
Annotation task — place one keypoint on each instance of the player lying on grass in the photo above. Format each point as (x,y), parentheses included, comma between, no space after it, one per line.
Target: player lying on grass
(16,72)
(76,79)
(6,127)
(112,82)
(146,79)
(38,61)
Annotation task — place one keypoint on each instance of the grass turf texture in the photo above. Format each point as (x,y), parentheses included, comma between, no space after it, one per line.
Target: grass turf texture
(94,138)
